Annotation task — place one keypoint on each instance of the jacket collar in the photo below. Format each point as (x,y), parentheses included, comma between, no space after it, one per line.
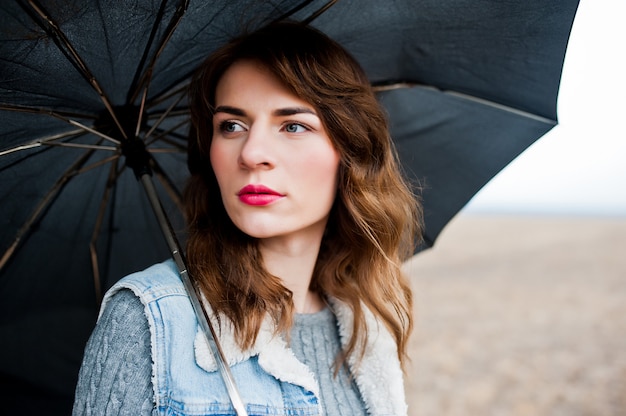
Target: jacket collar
(378,375)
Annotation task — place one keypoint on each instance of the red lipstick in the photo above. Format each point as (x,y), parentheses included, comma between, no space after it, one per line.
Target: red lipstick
(258,195)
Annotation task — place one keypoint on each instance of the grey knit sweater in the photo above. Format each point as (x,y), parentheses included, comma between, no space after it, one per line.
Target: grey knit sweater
(115,377)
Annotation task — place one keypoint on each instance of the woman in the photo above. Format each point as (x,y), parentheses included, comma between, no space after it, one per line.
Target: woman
(298,222)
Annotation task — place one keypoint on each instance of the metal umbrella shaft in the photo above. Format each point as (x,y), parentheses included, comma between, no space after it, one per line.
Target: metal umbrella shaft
(201,314)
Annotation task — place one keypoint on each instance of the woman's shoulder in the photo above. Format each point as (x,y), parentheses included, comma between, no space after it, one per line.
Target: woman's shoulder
(158,280)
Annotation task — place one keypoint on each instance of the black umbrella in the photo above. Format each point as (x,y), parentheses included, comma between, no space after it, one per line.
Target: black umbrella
(467,85)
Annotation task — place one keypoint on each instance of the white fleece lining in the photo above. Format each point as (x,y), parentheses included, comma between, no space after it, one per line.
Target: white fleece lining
(275,357)
(378,377)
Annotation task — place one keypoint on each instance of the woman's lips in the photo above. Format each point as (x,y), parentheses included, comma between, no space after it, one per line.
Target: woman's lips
(258,195)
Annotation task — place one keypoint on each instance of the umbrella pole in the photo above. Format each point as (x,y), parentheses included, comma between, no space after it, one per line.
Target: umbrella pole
(205,323)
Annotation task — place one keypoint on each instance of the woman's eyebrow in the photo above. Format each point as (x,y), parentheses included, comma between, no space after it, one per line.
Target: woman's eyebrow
(281,112)
(290,111)
(229,110)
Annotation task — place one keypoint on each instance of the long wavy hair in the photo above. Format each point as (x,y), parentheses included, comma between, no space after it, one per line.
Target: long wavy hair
(374,224)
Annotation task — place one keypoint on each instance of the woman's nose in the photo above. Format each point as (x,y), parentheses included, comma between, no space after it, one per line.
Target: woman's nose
(257,151)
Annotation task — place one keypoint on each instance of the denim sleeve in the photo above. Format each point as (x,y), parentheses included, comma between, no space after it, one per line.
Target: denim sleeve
(115,376)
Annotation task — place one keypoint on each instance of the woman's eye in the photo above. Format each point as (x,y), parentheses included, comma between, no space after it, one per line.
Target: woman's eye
(295,128)
(230,127)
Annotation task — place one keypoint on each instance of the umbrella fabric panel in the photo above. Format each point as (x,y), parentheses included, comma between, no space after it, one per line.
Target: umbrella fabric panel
(45,309)
(415,41)
(38,372)
(126,33)
(128,239)
(57,250)
(484,48)
(435,132)
(27,176)
(34,71)
(17,126)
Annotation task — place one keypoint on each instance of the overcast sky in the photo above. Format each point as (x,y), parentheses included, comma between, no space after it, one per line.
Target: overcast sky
(579,167)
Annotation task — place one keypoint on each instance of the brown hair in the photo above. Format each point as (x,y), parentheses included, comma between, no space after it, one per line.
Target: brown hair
(373,225)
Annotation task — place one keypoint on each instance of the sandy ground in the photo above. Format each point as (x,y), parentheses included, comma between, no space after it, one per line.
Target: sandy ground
(520,316)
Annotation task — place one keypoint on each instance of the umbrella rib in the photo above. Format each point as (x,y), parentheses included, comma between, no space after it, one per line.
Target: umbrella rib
(319,12)
(165,150)
(168,131)
(181,89)
(395,86)
(526,114)
(169,140)
(502,107)
(68,50)
(141,111)
(293,10)
(165,114)
(43,204)
(97,164)
(60,116)
(41,142)
(168,184)
(146,50)
(93,131)
(93,250)
(37,110)
(173,24)
(82,146)
(181,111)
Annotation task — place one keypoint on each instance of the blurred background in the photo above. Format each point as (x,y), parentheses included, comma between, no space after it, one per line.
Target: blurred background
(521,303)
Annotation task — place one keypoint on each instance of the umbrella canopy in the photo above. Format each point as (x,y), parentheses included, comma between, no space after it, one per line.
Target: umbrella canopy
(86,85)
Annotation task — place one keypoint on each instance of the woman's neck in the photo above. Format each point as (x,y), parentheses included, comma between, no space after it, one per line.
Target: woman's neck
(294,262)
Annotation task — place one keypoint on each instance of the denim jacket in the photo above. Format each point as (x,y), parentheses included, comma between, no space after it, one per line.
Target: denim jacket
(270,379)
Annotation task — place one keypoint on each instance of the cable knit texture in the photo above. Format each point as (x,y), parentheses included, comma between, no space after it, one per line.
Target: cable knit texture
(315,342)
(115,378)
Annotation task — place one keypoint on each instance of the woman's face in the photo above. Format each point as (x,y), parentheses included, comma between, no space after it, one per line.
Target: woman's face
(274,162)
